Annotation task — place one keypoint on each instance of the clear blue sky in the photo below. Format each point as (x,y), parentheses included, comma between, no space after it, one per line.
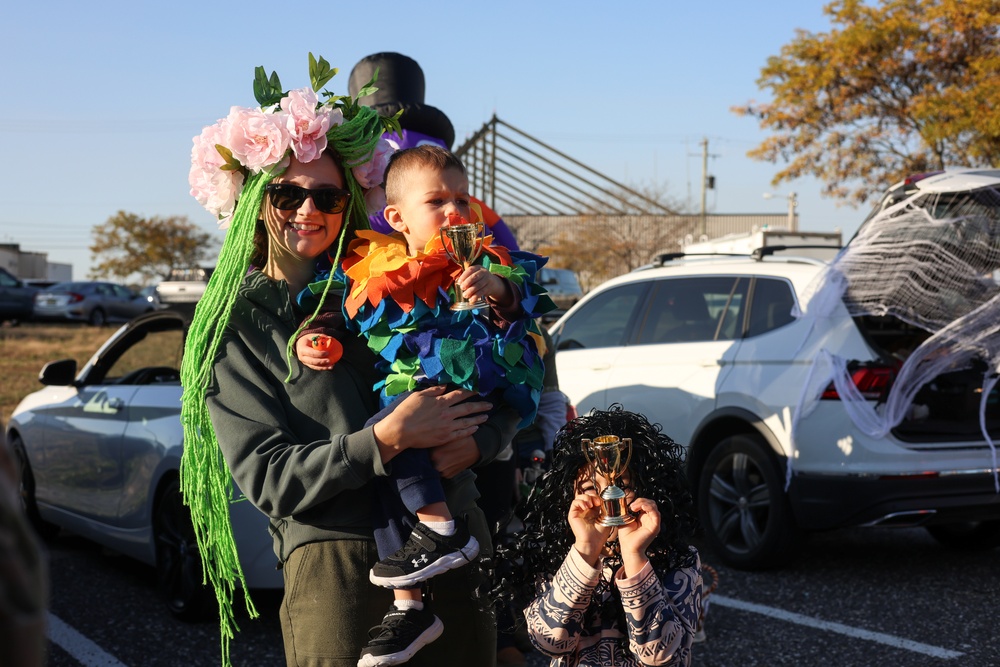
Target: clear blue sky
(103,98)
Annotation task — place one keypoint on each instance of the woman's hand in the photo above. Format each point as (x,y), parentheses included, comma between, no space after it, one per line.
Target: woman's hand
(584,514)
(477,282)
(634,538)
(428,418)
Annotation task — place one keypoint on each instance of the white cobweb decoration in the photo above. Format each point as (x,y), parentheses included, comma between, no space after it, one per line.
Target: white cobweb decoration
(933,261)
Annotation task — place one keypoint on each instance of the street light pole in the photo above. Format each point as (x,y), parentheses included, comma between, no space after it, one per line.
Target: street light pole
(704,186)
(792,204)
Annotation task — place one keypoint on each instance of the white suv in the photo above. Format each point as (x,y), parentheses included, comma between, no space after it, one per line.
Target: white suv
(748,361)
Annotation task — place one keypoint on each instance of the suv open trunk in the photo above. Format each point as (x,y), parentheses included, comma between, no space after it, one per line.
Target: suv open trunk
(945,409)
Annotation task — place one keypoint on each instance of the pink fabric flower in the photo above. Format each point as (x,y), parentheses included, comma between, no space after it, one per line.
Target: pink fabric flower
(257,139)
(372,173)
(306,125)
(213,187)
(374,200)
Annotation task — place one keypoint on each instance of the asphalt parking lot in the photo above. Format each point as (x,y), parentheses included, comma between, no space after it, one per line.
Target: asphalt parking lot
(857,597)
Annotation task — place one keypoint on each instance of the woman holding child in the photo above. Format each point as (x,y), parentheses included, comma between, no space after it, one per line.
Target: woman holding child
(291,180)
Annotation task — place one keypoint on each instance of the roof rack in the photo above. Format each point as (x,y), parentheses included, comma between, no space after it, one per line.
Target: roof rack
(765,251)
(665,257)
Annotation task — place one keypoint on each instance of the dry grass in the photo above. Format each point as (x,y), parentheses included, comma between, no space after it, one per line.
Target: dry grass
(25,349)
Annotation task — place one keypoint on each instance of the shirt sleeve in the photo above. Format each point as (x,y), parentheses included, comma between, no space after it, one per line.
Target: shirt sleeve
(662,613)
(555,617)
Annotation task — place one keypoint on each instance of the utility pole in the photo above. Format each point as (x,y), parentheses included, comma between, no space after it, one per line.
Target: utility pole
(704,184)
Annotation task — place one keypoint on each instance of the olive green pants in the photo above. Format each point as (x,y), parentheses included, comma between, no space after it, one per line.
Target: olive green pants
(329,606)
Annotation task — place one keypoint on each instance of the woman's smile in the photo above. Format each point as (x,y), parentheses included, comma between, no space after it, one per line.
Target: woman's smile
(306,227)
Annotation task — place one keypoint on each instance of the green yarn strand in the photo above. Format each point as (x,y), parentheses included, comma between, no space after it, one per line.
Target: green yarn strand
(205,478)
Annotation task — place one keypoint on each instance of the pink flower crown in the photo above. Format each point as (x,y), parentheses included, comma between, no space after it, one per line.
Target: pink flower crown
(252,140)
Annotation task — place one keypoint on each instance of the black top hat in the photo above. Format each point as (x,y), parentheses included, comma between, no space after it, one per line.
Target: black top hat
(400,86)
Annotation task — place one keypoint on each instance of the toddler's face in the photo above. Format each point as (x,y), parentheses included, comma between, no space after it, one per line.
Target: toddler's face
(430,197)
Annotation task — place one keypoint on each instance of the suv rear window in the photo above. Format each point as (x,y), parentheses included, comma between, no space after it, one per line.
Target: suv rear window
(771,307)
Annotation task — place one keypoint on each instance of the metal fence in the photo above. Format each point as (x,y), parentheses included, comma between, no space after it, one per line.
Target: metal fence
(600,247)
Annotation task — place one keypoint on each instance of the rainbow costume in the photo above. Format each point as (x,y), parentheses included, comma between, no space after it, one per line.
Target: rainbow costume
(400,305)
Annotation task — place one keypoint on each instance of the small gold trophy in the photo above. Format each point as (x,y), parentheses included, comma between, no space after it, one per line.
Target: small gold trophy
(604,454)
(465,247)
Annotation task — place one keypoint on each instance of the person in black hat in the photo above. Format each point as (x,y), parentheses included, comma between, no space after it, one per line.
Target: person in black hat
(401,86)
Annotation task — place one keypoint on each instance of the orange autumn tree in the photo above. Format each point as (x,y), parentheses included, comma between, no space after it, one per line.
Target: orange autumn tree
(127,246)
(894,88)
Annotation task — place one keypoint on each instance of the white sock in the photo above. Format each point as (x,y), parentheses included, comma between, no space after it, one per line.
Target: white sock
(403,605)
(445,528)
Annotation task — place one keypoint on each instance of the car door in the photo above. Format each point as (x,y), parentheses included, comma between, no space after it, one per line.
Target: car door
(115,303)
(104,443)
(684,342)
(83,450)
(129,302)
(589,340)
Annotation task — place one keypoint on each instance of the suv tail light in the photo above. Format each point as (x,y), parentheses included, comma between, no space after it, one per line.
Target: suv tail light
(872,381)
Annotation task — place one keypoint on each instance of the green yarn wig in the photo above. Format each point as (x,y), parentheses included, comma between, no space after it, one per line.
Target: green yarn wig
(206,482)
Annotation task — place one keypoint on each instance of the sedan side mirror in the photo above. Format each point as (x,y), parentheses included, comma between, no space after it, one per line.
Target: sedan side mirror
(60,373)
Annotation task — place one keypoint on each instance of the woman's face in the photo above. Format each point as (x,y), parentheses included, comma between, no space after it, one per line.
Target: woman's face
(304,233)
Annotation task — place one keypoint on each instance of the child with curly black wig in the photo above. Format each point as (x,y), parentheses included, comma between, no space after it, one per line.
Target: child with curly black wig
(595,595)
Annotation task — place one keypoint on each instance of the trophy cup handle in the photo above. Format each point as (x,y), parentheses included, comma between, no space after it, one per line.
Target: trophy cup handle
(480,239)
(627,443)
(585,446)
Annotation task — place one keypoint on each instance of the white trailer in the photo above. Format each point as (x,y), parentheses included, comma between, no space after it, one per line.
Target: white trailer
(819,245)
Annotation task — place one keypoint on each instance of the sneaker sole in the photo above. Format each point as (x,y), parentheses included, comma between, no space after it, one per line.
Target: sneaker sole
(440,566)
(398,658)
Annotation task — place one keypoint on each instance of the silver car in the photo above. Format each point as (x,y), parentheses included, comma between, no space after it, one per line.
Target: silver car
(93,302)
(99,452)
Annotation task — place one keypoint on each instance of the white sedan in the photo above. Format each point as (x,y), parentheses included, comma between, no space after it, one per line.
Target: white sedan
(99,452)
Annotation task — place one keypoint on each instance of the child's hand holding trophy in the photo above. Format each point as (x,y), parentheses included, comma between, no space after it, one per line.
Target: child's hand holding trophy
(463,242)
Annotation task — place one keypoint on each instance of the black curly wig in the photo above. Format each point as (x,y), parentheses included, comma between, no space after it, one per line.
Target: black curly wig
(656,472)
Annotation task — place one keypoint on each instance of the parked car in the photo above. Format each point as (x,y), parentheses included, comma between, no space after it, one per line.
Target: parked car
(99,452)
(183,288)
(16,298)
(562,286)
(93,302)
(710,349)
(150,294)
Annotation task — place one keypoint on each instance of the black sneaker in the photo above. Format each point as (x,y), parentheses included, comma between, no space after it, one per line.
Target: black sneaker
(425,554)
(401,634)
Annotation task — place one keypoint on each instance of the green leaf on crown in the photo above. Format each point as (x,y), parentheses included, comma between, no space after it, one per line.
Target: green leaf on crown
(320,72)
(369,88)
(266,90)
(232,164)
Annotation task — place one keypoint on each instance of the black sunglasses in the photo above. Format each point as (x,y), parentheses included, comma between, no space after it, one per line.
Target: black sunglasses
(288,197)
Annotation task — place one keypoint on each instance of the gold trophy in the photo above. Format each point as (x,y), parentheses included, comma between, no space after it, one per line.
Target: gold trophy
(465,247)
(604,454)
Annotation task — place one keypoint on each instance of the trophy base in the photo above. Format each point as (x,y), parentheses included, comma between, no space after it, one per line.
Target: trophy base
(617,520)
(467,305)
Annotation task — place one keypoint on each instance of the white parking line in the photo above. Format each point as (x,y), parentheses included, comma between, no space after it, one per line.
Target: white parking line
(84,651)
(858,633)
